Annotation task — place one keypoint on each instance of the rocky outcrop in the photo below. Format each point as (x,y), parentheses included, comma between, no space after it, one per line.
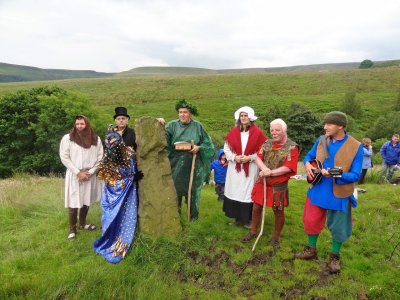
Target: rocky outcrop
(158,207)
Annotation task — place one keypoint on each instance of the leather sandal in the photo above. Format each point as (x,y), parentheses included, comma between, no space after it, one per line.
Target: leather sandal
(274,243)
(71,236)
(248,237)
(89,227)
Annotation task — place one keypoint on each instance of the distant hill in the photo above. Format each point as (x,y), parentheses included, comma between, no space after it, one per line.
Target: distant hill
(145,71)
(301,68)
(17,73)
(386,64)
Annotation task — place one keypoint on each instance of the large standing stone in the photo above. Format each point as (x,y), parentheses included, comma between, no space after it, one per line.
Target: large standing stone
(158,205)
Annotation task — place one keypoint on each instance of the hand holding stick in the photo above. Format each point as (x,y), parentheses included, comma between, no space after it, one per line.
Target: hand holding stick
(263,215)
(190,184)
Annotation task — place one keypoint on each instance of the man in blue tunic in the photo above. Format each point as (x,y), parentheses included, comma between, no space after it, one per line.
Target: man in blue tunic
(332,198)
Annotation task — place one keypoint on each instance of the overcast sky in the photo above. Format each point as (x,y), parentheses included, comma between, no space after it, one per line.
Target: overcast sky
(118,35)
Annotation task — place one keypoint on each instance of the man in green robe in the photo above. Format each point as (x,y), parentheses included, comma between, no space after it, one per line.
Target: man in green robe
(186,130)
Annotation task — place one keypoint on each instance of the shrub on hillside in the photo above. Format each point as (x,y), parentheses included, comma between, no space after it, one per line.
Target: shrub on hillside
(351,106)
(366,64)
(304,127)
(272,113)
(385,126)
(32,125)
(295,108)
(351,124)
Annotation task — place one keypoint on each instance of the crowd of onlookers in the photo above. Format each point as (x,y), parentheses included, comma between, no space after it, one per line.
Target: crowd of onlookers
(390,152)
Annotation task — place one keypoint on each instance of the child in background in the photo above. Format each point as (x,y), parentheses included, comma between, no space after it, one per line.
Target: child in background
(220,166)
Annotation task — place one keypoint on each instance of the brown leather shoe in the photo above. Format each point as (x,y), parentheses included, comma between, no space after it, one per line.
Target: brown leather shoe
(308,253)
(334,263)
(249,237)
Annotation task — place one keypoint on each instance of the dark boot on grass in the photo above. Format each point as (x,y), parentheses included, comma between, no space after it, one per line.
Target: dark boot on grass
(72,220)
(334,263)
(308,253)
(83,211)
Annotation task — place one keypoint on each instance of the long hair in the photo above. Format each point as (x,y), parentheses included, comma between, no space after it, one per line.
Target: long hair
(244,128)
(87,137)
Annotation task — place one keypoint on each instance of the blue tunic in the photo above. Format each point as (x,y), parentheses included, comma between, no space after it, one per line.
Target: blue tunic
(321,194)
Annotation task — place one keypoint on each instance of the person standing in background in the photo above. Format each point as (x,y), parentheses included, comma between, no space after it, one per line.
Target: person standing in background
(390,152)
(367,161)
(220,166)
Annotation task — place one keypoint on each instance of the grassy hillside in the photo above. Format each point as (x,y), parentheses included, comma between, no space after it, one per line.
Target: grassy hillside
(16,73)
(207,261)
(218,96)
(388,63)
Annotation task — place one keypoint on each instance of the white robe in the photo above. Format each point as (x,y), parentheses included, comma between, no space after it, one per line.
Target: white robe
(76,158)
(238,187)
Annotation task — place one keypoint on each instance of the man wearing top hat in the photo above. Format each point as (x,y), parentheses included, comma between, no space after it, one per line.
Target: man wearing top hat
(121,119)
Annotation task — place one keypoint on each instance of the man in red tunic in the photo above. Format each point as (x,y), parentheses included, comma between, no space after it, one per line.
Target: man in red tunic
(277,160)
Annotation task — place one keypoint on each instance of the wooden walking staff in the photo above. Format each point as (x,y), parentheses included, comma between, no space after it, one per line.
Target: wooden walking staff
(263,215)
(190,183)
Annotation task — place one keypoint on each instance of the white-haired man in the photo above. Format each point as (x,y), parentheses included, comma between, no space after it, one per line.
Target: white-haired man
(277,160)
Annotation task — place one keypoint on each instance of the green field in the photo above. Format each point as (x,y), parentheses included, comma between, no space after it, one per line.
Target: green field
(218,96)
(207,261)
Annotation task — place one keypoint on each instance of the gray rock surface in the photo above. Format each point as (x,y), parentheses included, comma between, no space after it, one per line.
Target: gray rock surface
(158,208)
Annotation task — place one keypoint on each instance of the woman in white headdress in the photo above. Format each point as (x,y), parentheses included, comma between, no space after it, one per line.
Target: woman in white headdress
(241,146)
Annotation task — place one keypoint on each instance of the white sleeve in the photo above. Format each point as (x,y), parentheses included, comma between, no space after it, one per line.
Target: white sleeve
(65,149)
(230,156)
(99,150)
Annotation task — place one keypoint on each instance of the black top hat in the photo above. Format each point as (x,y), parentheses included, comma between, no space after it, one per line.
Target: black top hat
(121,111)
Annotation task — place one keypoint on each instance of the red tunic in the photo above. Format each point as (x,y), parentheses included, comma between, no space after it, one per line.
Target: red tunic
(277,185)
